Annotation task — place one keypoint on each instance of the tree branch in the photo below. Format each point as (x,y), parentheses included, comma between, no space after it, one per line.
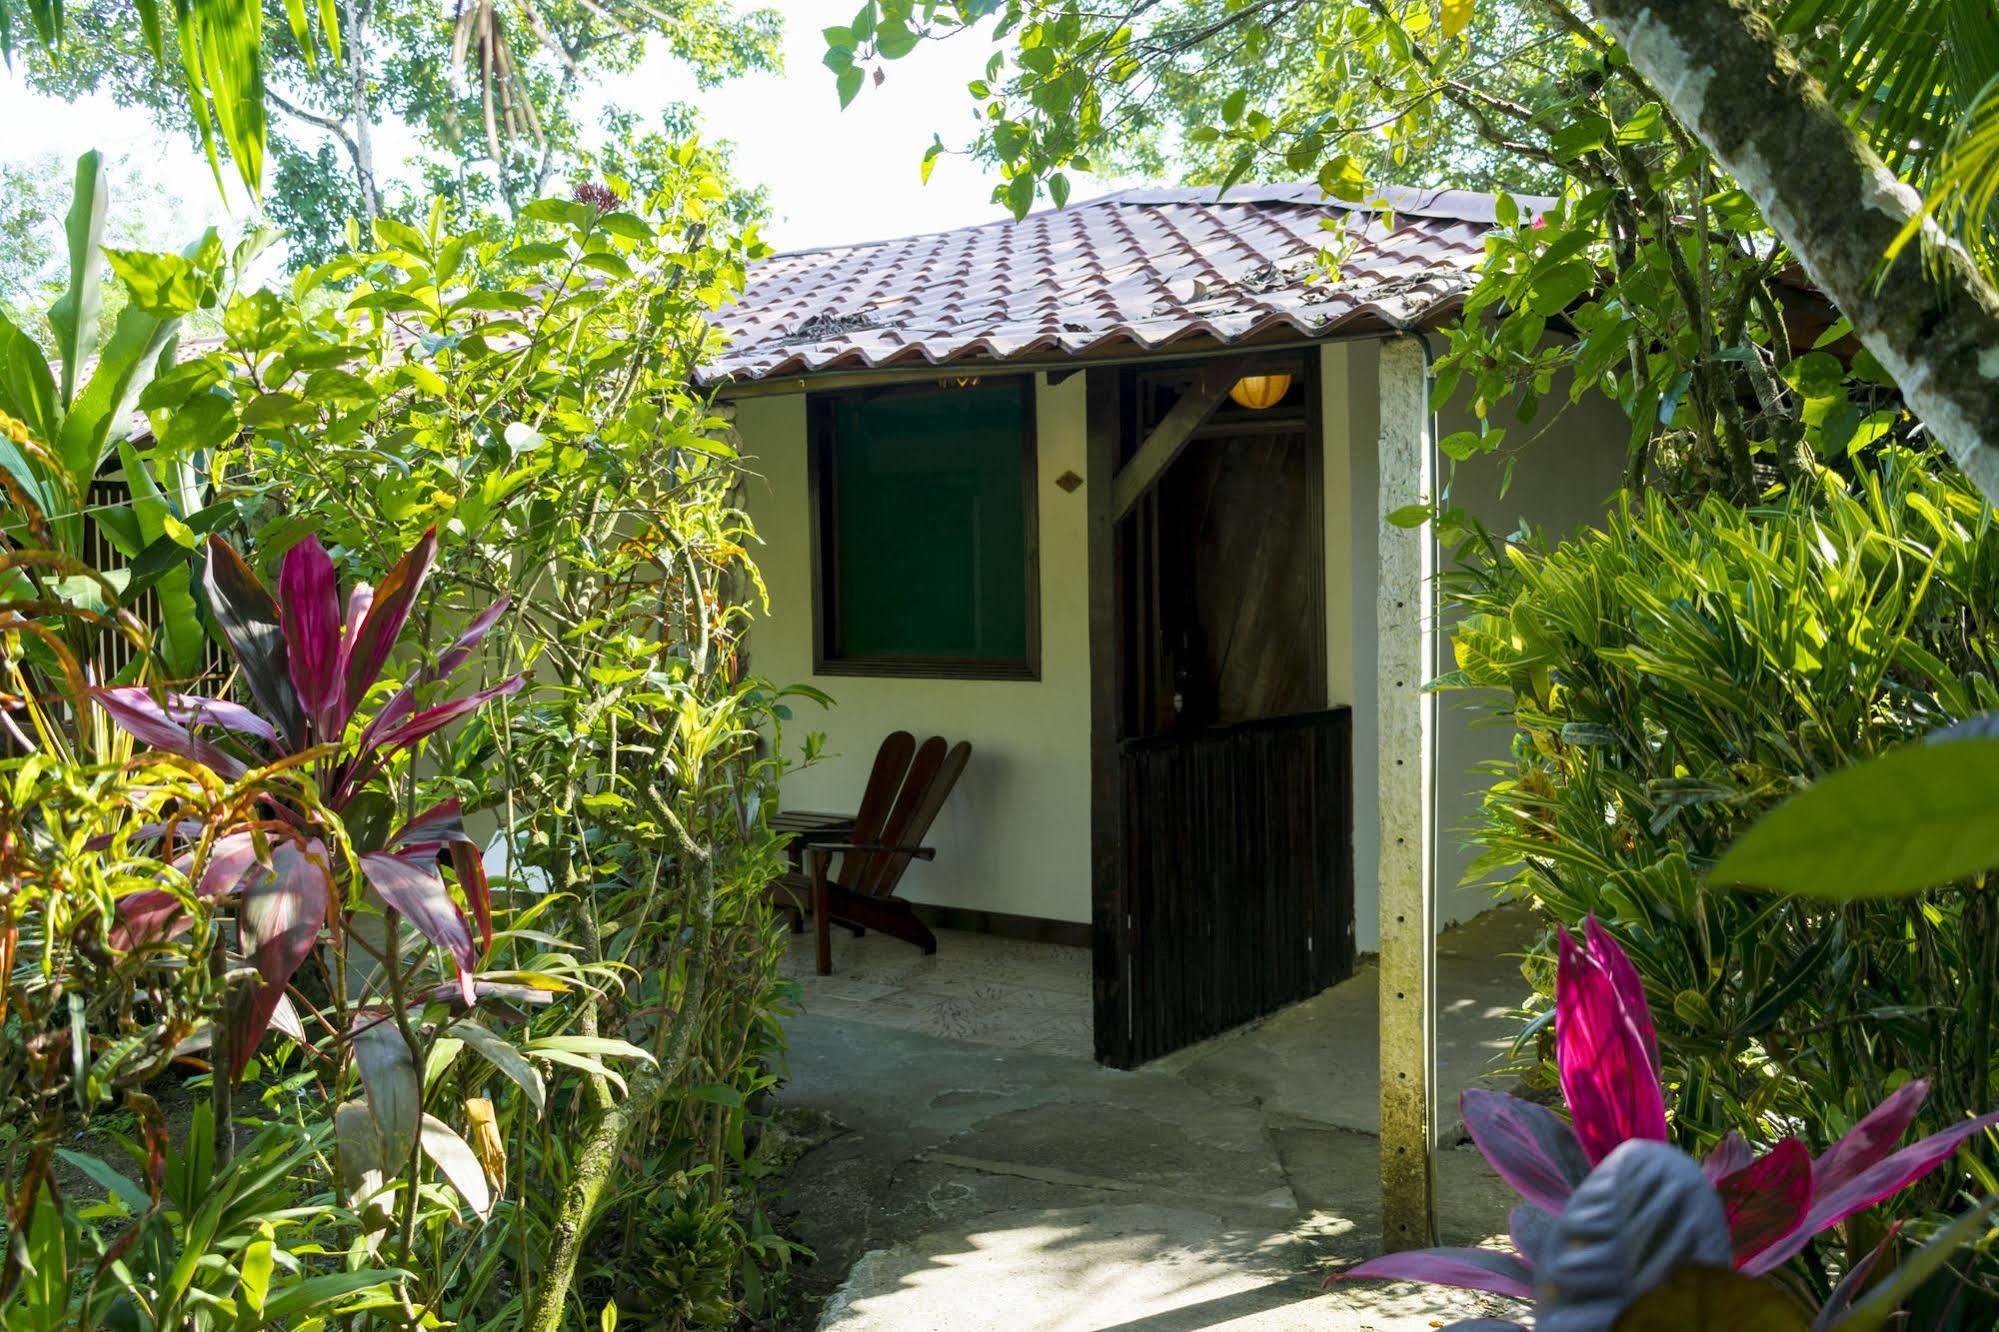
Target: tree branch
(337,128)
(1719,69)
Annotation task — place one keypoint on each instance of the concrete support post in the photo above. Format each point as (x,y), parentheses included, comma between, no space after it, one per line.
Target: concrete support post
(1405,623)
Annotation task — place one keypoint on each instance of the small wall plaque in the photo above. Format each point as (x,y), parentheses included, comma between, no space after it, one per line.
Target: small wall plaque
(1069,481)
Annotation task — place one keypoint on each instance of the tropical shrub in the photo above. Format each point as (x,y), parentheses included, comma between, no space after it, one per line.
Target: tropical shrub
(1613,1215)
(489,1080)
(75,417)
(532,397)
(1674,676)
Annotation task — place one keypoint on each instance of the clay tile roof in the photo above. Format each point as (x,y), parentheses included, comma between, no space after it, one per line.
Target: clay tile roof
(1130,272)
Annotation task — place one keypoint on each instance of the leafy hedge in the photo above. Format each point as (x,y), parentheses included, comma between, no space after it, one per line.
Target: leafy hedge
(536,1120)
(1676,674)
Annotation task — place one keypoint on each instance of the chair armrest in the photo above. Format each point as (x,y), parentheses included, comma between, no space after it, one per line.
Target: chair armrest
(919,852)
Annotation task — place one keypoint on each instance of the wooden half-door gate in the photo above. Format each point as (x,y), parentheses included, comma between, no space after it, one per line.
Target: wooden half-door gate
(1222,801)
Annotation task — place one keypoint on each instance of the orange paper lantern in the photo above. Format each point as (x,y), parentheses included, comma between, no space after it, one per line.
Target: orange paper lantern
(1257,392)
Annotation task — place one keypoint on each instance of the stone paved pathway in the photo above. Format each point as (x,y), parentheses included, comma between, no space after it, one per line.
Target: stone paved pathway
(998,1179)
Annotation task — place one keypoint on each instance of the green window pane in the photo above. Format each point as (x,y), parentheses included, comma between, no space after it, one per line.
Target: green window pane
(928,525)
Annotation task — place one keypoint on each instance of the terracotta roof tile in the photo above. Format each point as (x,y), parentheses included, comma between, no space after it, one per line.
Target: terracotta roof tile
(1139,269)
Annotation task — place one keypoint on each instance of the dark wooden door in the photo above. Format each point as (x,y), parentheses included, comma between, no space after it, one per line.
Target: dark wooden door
(1238,872)
(1227,891)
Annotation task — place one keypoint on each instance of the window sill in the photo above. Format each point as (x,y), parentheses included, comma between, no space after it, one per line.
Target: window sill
(929,669)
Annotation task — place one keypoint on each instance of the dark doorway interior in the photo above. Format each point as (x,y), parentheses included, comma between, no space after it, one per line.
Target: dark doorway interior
(1234,859)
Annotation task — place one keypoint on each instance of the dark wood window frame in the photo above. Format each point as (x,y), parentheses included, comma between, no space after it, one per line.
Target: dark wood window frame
(824,530)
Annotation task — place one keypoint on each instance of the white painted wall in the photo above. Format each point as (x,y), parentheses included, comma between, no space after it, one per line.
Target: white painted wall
(1562,481)
(1015,834)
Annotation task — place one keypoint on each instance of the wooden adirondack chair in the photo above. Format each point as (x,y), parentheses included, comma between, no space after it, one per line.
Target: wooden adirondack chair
(905,790)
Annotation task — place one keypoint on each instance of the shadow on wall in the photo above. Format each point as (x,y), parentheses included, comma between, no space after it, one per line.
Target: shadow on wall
(1562,481)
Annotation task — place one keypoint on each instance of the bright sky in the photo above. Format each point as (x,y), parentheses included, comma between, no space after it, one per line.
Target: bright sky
(834,176)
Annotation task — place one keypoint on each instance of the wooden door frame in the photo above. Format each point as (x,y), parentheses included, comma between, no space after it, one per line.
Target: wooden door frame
(1107,394)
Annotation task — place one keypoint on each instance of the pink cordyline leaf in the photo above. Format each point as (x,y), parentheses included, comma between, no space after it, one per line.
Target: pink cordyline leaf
(1467,1269)
(142,717)
(1630,989)
(375,749)
(358,602)
(441,716)
(475,633)
(155,913)
(1861,1191)
(402,703)
(1729,1155)
(412,885)
(439,832)
(280,918)
(1767,1199)
(376,635)
(1872,1139)
(309,601)
(470,865)
(1531,1230)
(191,711)
(1528,1146)
(229,861)
(1607,1076)
(145,916)
(1849,1287)
(250,621)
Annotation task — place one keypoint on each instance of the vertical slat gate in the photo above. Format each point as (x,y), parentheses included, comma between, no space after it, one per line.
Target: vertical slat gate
(1237,876)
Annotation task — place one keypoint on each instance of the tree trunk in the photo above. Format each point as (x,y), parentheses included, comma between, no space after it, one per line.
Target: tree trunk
(362,145)
(1722,73)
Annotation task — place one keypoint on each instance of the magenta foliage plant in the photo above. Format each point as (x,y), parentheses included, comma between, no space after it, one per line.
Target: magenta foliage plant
(1608,1053)
(309,660)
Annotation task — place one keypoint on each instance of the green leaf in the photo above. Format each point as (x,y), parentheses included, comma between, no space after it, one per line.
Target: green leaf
(74,315)
(1058,189)
(567,212)
(1816,374)
(45,1287)
(1886,1299)
(1559,287)
(590,1045)
(505,1058)
(229,39)
(1409,516)
(107,1178)
(848,83)
(1342,178)
(163,285)
(302,33)
(324,1293)
(255,1268)
(895,39)
(27,388)
(1913,819)
(1584,133)
(1020,194)
(535,252)
(102,413)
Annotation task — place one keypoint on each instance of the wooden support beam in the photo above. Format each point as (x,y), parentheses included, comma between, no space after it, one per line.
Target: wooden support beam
(1110,1002)
(1405,624)
(1211,385)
